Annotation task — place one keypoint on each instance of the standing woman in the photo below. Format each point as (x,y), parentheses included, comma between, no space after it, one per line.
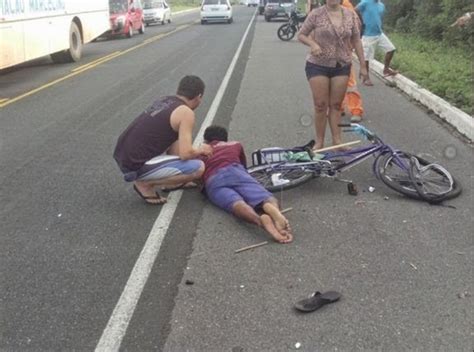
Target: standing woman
(331,32)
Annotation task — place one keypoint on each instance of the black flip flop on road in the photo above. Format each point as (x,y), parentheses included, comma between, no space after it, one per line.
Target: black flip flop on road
(316,301)
(150,200)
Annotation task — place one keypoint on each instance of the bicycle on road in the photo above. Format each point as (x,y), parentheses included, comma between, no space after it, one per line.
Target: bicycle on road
(284,168)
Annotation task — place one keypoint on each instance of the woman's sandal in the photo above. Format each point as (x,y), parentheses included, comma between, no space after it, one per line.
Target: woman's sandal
(316,301)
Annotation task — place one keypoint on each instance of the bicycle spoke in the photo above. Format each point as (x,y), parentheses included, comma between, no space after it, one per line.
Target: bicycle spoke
(436,184)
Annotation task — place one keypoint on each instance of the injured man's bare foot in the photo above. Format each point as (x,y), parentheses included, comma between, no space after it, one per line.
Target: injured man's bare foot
(281,223)
(269,226)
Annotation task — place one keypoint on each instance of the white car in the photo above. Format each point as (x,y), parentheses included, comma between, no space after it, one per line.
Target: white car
(216,11)
(156,11)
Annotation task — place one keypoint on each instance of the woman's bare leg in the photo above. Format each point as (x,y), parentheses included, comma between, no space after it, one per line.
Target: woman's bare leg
(336,96)
(320,89)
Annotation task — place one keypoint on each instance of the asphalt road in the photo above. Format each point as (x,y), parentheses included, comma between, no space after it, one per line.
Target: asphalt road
(72,230)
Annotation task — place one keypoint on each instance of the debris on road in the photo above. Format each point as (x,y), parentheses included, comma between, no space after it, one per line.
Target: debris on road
(413,266)
(352,189)
(297,345)
(386,198)
(464,294)
(286,210)
(251,247)
(189,282)
(371,189)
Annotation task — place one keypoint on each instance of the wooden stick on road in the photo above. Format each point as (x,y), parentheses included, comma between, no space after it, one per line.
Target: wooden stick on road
(251,247)
(286,210)
(336,146)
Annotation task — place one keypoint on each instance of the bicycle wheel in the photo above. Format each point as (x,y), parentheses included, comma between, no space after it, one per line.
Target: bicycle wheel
(394,170)
(289,178)
(433,182)
(286,32)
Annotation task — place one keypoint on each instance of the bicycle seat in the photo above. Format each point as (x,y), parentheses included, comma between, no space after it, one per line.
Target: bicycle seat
(308,145)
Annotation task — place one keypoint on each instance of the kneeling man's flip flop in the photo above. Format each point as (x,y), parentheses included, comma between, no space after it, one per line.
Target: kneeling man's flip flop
(316,301)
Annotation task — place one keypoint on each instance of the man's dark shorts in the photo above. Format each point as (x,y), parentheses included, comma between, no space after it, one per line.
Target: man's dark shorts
(313,70)
(232,184)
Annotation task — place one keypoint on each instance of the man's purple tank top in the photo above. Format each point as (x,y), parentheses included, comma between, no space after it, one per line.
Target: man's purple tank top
(149,135)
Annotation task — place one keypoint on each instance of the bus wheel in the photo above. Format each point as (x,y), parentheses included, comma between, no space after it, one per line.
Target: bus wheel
(74,52)
(75,43)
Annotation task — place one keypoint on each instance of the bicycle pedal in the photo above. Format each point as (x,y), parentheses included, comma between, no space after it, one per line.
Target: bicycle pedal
(352,189)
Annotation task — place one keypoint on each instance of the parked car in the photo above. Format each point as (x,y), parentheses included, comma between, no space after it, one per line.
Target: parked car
(216,11)
(156,11)
(252,3)
(278,9)
(126,17)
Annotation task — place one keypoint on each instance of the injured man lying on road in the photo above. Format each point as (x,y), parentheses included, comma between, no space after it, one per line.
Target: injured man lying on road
(228,185)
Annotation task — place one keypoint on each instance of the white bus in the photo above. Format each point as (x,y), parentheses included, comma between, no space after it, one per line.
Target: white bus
(30,29)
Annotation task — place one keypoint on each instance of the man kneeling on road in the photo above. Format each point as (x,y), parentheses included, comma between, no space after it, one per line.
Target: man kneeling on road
(229,186)
(156,148)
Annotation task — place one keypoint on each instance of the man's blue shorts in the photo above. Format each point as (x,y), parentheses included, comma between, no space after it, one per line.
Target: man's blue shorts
(233,183)
(163,166)
(167,166)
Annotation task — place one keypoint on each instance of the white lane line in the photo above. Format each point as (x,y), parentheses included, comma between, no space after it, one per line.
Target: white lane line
(118,323)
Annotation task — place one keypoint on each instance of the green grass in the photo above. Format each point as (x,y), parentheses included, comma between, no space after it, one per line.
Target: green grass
(443,70)
(180,5)
(176,8)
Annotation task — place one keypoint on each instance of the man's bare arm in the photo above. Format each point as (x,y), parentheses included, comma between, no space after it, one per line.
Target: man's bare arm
(184,118)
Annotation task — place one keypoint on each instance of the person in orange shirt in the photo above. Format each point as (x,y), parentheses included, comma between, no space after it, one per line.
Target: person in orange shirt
(352,99)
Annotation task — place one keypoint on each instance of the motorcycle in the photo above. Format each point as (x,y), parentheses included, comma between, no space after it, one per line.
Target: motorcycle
(288,30)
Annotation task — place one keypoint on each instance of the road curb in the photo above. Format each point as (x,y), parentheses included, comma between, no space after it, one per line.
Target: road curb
(457,118)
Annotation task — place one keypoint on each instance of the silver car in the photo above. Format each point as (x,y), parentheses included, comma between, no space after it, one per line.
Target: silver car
(216,11)
(156,11)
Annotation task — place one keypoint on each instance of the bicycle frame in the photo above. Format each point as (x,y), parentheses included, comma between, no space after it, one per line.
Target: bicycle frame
(277,168)
(324,166)
(359,155)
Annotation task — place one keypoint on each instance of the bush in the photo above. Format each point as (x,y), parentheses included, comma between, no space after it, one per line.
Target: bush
(434,65)
(430,19)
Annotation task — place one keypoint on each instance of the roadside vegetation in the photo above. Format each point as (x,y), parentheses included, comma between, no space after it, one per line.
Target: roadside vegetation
(181,5)
(430,51)
(440,68)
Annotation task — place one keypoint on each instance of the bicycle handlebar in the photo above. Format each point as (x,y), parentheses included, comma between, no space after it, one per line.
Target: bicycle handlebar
(359,129)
